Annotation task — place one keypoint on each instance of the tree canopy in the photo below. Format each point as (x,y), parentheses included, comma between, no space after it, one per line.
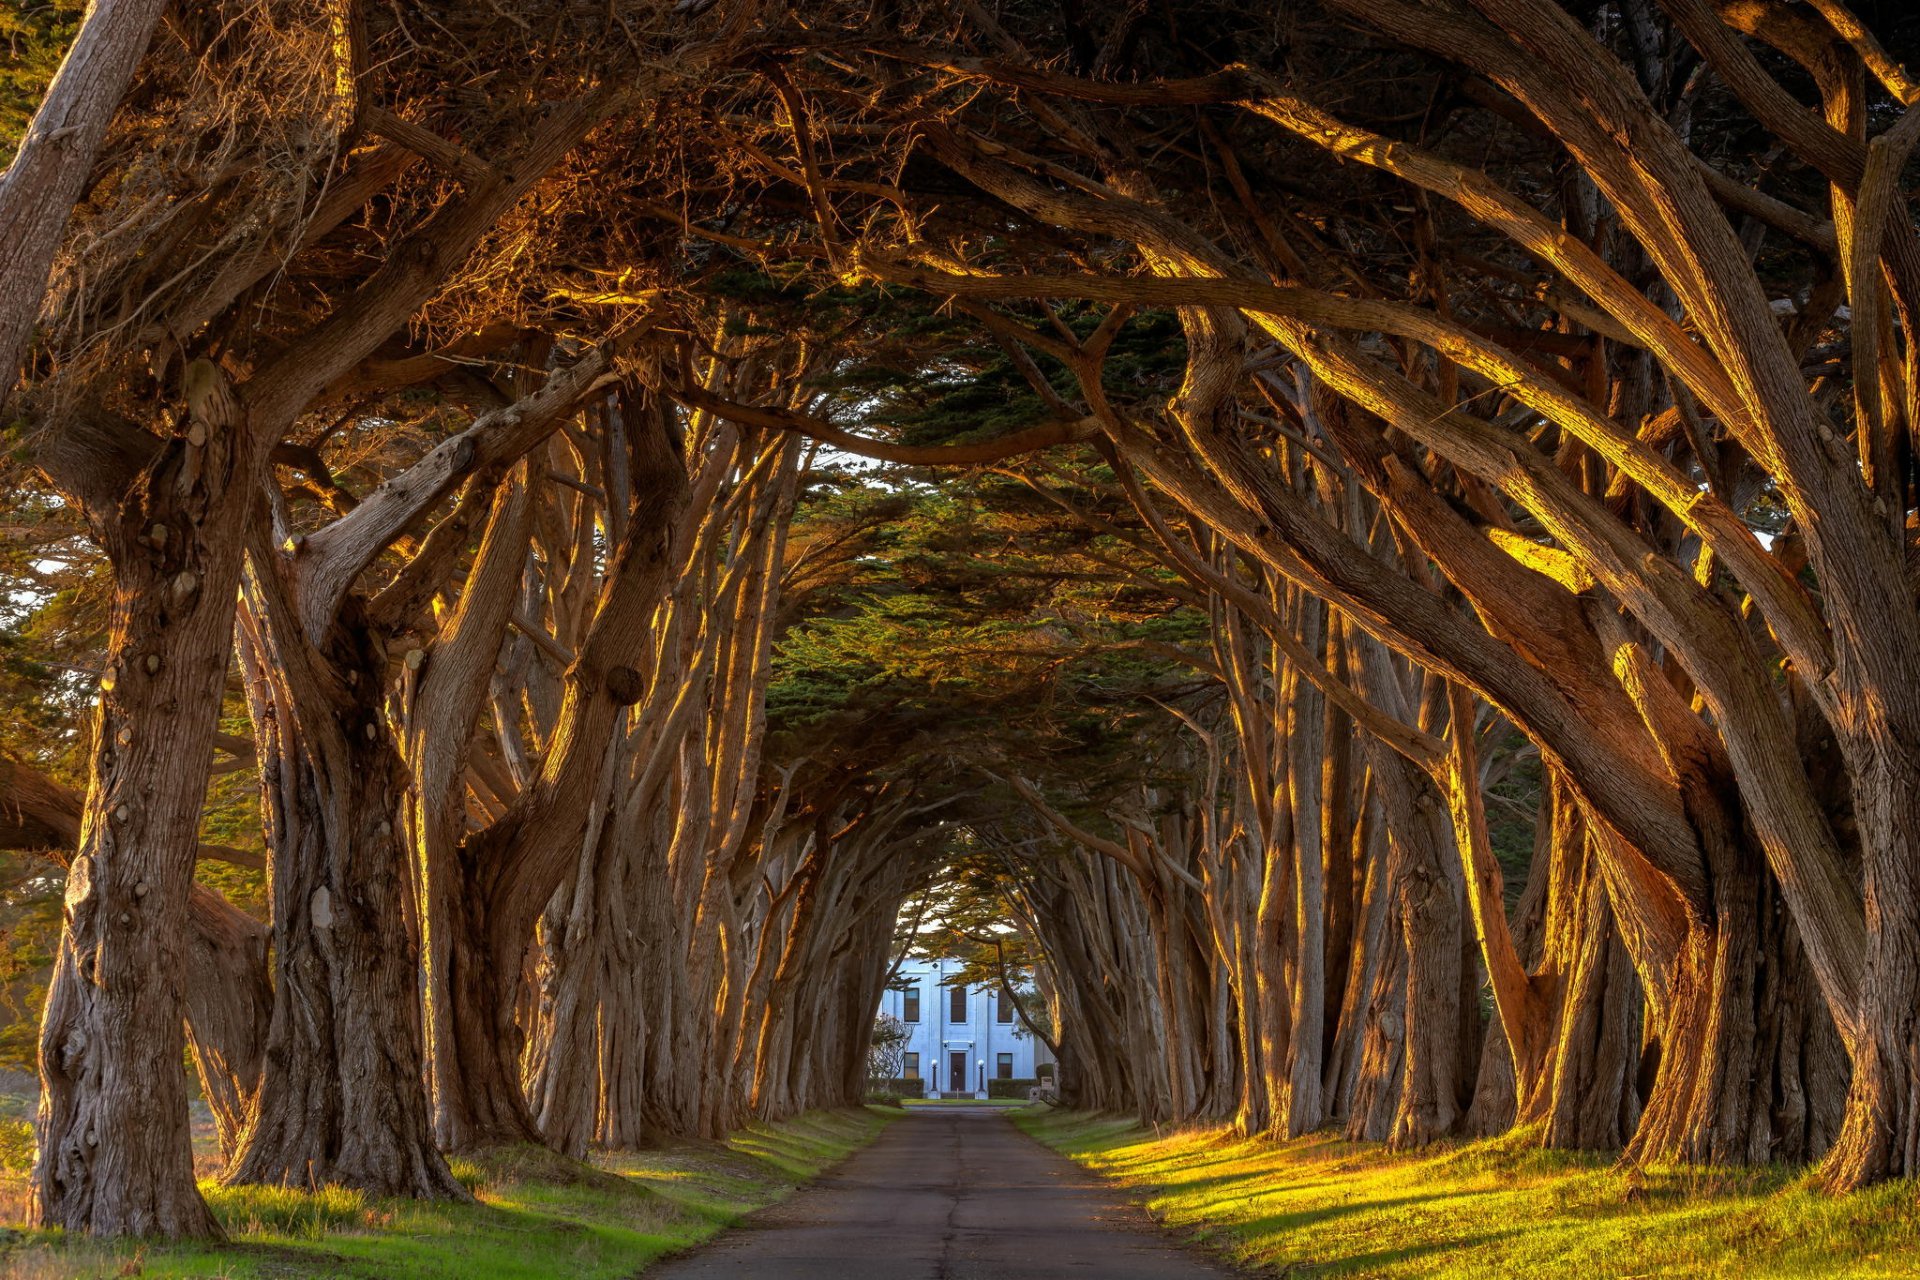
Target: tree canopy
(1373,538)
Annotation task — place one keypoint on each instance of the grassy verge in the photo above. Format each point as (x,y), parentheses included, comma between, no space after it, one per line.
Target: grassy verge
(535,1217)
(1005,1104)
(1501,1207)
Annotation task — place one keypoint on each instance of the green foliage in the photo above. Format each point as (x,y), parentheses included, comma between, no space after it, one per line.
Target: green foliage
(16,1145)
(35,37)
(974,611)
(1012,1088)
(30,904)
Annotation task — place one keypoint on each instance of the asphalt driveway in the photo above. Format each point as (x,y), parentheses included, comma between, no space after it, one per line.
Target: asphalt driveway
(946,1194)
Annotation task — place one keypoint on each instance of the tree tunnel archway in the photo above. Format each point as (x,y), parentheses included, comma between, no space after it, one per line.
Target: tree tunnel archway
(1389,526)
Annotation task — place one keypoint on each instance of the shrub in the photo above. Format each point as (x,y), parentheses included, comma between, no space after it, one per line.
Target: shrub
(16,1145)
(904,1086)
(1011,1088)
(1044,1070)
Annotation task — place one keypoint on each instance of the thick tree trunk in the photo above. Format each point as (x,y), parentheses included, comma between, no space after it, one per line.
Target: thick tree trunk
(1587,1095)
(1881,1137)
(1380,1074)
(1431,911)
(1275,1011)
(229,997)
(1307,743)
(1376,934)
(115,1155)
(342,1100)
(478,1098)
(1750,1068)
(580,1018)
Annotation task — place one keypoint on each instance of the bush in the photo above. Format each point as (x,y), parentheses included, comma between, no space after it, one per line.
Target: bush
(1011,1088)
(1044,1070)
(904,1086)
(16,1145)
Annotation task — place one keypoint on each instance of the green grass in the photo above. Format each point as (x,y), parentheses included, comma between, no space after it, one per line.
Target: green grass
(1005,1104)
(1501,1207)
(535,1217)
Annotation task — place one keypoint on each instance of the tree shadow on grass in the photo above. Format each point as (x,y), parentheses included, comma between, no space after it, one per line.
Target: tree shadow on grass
(1257,1184)
(1296,1219)
(1405,1253)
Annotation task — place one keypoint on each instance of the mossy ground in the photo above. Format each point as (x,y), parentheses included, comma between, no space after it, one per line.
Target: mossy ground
(1502,1207)
(531,1219)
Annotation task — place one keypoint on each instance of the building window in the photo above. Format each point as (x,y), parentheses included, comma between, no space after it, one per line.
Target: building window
(956,1004)
(910,1066)
(1003,1007)
(1005,1066)
(910,1004)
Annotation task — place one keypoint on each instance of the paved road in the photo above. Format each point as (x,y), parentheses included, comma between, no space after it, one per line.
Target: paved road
(954,1194)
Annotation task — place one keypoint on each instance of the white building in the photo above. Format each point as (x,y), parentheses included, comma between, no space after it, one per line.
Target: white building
(959,1036)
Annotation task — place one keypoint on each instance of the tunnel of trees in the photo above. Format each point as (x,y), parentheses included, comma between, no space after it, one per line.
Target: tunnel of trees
(1380,536)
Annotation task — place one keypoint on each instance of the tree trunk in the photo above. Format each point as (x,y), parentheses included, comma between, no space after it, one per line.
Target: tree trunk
(1881,1137)
(115,1154)
(342,1100)
(478,1098)
(1587,1096)
(1431,1105)
(229,998)
(229,1008)
(1750,1068)
(1380,1073)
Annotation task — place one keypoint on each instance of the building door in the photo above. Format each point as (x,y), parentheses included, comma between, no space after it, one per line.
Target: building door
(957,1070)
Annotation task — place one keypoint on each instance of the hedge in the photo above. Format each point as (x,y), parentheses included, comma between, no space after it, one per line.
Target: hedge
(1011,1088)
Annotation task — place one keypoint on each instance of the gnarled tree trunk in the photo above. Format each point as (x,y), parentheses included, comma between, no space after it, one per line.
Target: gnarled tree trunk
(342,1100)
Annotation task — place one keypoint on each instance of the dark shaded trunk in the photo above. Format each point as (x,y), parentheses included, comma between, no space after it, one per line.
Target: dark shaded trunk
(1431,912)
(1380,1073)
(1881,1136)
(1588,1096)
(478,1098)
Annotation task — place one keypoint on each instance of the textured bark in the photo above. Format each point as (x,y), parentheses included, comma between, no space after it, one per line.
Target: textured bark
(476,1053)
(484,896)
(1588,1096)
(1750,1068)
(1432,1104)
(342,1100)
(115,1156)
(1881,1136)
(229,997)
